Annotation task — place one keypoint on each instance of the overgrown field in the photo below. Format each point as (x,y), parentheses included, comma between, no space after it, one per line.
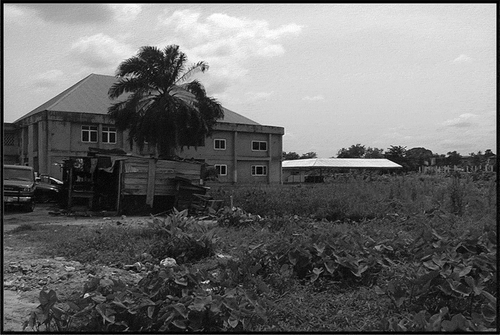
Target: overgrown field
(392,253)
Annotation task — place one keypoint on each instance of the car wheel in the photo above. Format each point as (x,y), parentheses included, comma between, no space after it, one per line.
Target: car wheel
(30,207)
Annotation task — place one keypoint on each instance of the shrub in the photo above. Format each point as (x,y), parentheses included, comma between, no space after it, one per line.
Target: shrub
(453,275)
(166,300)
(181,237)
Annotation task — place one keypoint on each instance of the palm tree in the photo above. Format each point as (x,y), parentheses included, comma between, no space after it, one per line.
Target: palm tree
(161,108)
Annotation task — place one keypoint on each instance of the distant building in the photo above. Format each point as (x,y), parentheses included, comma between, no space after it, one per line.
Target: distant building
(240,149)
(300,170)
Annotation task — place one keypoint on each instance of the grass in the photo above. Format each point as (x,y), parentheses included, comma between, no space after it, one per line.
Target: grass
(396,208)
(24,227)
(356,199)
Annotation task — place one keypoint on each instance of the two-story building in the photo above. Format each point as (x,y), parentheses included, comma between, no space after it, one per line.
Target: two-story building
(242,150)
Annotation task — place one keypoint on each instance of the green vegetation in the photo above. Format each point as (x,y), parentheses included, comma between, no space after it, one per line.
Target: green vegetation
(392,253)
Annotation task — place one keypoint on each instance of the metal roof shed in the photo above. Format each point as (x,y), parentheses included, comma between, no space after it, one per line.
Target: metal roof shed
(295,170)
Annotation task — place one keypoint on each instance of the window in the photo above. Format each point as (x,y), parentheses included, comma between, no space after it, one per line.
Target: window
(259,145)
(259,170)
(89,134)
(108,135)
(219,144)
(221,169)
(9,139)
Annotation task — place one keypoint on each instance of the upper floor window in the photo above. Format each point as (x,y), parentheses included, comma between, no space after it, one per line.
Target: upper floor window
(89,134)
(219,144)
(259,145)
(259,170)
(109,135)
(221,169)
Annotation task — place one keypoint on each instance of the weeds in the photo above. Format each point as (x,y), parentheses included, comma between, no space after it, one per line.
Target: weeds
(355,200)
(405,254)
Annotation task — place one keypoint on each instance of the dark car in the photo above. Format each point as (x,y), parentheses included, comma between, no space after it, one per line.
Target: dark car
(19,186)
(48,189)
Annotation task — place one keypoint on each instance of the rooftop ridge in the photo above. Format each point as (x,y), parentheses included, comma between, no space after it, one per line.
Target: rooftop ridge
(77,103)
(55,100)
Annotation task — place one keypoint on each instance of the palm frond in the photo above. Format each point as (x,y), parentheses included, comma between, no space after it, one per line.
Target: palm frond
(128,85)
(155,110)
(198,67)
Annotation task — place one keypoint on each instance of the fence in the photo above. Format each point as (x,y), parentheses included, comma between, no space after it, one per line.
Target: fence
(447,168)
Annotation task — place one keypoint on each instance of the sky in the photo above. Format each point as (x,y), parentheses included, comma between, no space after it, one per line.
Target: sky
(332,75)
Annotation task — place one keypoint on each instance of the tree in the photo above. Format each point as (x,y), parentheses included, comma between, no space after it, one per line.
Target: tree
(290,155)
(397,154)
(310,154)
(161,107)
(454,158)
(374,153)
(488,153)
(418,156)
(354,151)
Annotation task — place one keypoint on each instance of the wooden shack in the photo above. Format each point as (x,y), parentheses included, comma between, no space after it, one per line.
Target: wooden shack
(126,183)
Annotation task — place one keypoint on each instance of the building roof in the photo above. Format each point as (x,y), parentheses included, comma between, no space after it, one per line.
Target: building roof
(90,95)
(350,163)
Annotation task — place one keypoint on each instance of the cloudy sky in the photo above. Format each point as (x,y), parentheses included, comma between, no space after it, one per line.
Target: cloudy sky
(332,75)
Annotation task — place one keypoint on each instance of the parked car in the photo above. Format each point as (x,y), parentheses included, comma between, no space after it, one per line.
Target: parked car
(48,189)
(19,186)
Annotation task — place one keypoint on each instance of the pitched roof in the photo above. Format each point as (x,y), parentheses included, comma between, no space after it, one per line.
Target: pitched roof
(349,163)
(90,95)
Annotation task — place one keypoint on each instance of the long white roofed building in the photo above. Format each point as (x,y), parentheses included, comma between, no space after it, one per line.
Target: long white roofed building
(296,170)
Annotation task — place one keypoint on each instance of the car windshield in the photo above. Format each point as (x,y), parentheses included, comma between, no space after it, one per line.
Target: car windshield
(17,174)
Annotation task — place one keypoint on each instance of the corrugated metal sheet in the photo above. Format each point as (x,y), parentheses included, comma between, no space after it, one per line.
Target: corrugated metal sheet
(350,163)
(90,95)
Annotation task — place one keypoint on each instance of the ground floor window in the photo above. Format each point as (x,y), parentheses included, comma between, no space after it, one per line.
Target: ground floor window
(221,169)
(259,170)
(89,134)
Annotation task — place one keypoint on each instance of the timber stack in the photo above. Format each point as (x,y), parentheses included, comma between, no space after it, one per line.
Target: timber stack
(130,184)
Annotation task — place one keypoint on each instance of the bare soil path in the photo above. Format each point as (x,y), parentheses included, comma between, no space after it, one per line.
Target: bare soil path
(26,272)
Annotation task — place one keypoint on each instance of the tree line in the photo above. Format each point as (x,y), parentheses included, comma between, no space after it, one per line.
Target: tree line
(410,159)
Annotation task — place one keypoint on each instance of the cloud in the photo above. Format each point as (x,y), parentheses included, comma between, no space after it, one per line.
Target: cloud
(468,132)
(74,13)
(224,42)
(462,59)
(462,121)
(14,14)
(48,79)
(314,98)
(101,52)
(70,13)
(125,12)
(256,96)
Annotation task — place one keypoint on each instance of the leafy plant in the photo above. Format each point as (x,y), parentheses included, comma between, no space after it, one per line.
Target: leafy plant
(235,217)
(167,299)
(47,314)
(453,276)
(182,237)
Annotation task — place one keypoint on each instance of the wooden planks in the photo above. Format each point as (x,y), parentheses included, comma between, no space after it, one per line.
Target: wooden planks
(150,177)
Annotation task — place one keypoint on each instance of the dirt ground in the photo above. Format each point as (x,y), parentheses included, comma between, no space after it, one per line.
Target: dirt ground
(25,273)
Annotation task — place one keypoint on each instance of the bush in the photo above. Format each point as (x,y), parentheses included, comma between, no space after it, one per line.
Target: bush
(166,300)
(181,237)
